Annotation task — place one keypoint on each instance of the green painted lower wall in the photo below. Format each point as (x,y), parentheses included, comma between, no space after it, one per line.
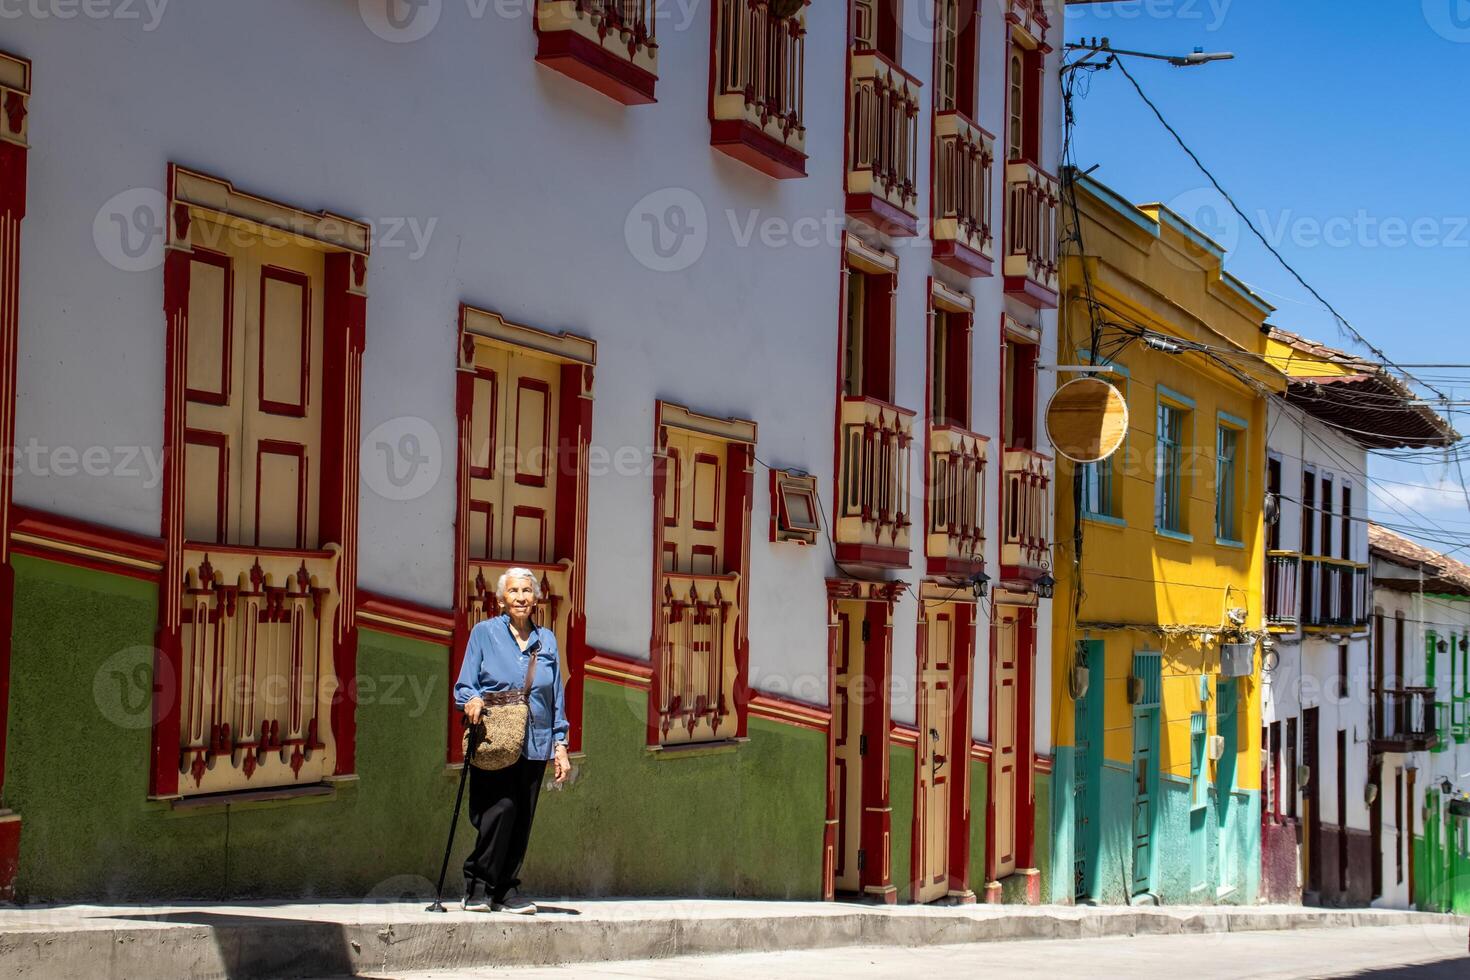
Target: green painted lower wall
(745,822)
(1442,861)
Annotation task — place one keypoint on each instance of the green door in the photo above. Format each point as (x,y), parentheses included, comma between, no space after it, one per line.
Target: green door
(1086,810)
(1145,731)
(1226,728)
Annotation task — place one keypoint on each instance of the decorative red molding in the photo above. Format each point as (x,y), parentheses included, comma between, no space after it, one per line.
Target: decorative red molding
(739,139)
(617,669)
(54,537)
(980,750)
(778,707)
(399,617)
(1044,763)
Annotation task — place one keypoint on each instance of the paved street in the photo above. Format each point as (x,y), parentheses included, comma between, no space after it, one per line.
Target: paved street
(1428,952)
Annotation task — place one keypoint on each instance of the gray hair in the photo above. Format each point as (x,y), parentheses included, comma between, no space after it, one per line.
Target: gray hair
(511,574)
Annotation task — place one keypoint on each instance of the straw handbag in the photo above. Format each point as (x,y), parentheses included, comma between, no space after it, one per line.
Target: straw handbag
(499,738)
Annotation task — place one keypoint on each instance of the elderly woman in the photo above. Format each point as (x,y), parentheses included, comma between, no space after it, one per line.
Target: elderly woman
(503,801)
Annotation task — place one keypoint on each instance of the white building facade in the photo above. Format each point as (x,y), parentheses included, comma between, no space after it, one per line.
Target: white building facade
(731,321)
(1339,712)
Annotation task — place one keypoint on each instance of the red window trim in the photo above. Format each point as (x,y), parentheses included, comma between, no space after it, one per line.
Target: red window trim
(739,437)
(577,357)
(346,243)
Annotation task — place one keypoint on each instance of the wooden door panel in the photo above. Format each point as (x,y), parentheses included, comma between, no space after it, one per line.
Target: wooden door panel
(936,762)
(847,736)
(693,498)
(1003,763)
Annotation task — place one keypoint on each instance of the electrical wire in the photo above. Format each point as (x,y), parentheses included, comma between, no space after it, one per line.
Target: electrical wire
(1342,320)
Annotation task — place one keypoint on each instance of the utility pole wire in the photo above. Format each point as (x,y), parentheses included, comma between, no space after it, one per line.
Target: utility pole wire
(1348,327)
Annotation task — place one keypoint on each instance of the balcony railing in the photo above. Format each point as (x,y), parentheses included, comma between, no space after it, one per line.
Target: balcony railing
(757,106)
(555,582)
(696,673)
(606,44)
(1032,199)
(1334,594)
(1283,589)
(1025,547)
(1406,721)
(956,544)
(883,146)
(964,155)
(873,510)
(257,652)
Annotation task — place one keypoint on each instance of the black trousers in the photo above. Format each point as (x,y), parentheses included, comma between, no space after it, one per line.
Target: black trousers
(502,806)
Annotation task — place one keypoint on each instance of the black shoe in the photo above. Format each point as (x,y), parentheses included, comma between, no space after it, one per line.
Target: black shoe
(470,903)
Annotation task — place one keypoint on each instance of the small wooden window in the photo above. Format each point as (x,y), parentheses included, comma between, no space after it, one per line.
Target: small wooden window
(794,507)
(1016,128)
(852,354)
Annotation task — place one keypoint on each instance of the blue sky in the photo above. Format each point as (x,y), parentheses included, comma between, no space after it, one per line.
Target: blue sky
(1341,130)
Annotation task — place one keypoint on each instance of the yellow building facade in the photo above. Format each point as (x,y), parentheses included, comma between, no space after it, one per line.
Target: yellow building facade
(1160,564)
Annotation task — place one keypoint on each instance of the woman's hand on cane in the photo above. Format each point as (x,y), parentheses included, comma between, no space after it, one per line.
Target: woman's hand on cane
(473,709)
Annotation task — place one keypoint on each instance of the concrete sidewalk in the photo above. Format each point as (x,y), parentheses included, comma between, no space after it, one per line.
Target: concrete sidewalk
(292,940)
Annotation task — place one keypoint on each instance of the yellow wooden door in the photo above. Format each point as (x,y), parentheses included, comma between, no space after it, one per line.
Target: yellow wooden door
(847,722)
(513,459)
(253,381)
(937,763)
(693,517)
(1003,774)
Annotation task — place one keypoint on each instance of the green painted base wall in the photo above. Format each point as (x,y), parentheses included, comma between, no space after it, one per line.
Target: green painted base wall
(1441,863)
(747,822)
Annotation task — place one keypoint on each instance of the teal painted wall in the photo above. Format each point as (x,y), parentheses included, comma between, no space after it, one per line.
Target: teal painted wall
(79,741)
(1061,888)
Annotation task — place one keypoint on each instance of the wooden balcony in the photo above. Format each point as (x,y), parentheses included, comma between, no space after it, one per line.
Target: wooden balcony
(883,145)
(956,533)
(695,680)
(1405,720)
(606,44)
(1334,595)
(1283,590)
(1030,263)
(759,80)
(873,518)
(257,648)
(1025,544)
(964,155)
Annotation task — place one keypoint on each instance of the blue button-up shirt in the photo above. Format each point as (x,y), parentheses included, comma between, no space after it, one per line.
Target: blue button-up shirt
(494,661)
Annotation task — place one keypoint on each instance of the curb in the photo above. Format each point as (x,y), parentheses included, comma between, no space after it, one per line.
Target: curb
(204,944)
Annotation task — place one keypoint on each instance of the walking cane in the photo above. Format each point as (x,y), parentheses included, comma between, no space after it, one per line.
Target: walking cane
(464,773)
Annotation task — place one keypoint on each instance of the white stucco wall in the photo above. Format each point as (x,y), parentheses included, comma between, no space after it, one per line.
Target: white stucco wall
(493,181)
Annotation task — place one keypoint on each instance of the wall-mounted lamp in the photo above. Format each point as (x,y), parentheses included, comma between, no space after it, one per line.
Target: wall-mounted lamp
(1046,585)
(1370,793)
(1442,646)
(1445,786)
(979,584)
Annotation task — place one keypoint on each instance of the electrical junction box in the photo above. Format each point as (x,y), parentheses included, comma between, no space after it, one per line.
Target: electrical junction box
(1237,659)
